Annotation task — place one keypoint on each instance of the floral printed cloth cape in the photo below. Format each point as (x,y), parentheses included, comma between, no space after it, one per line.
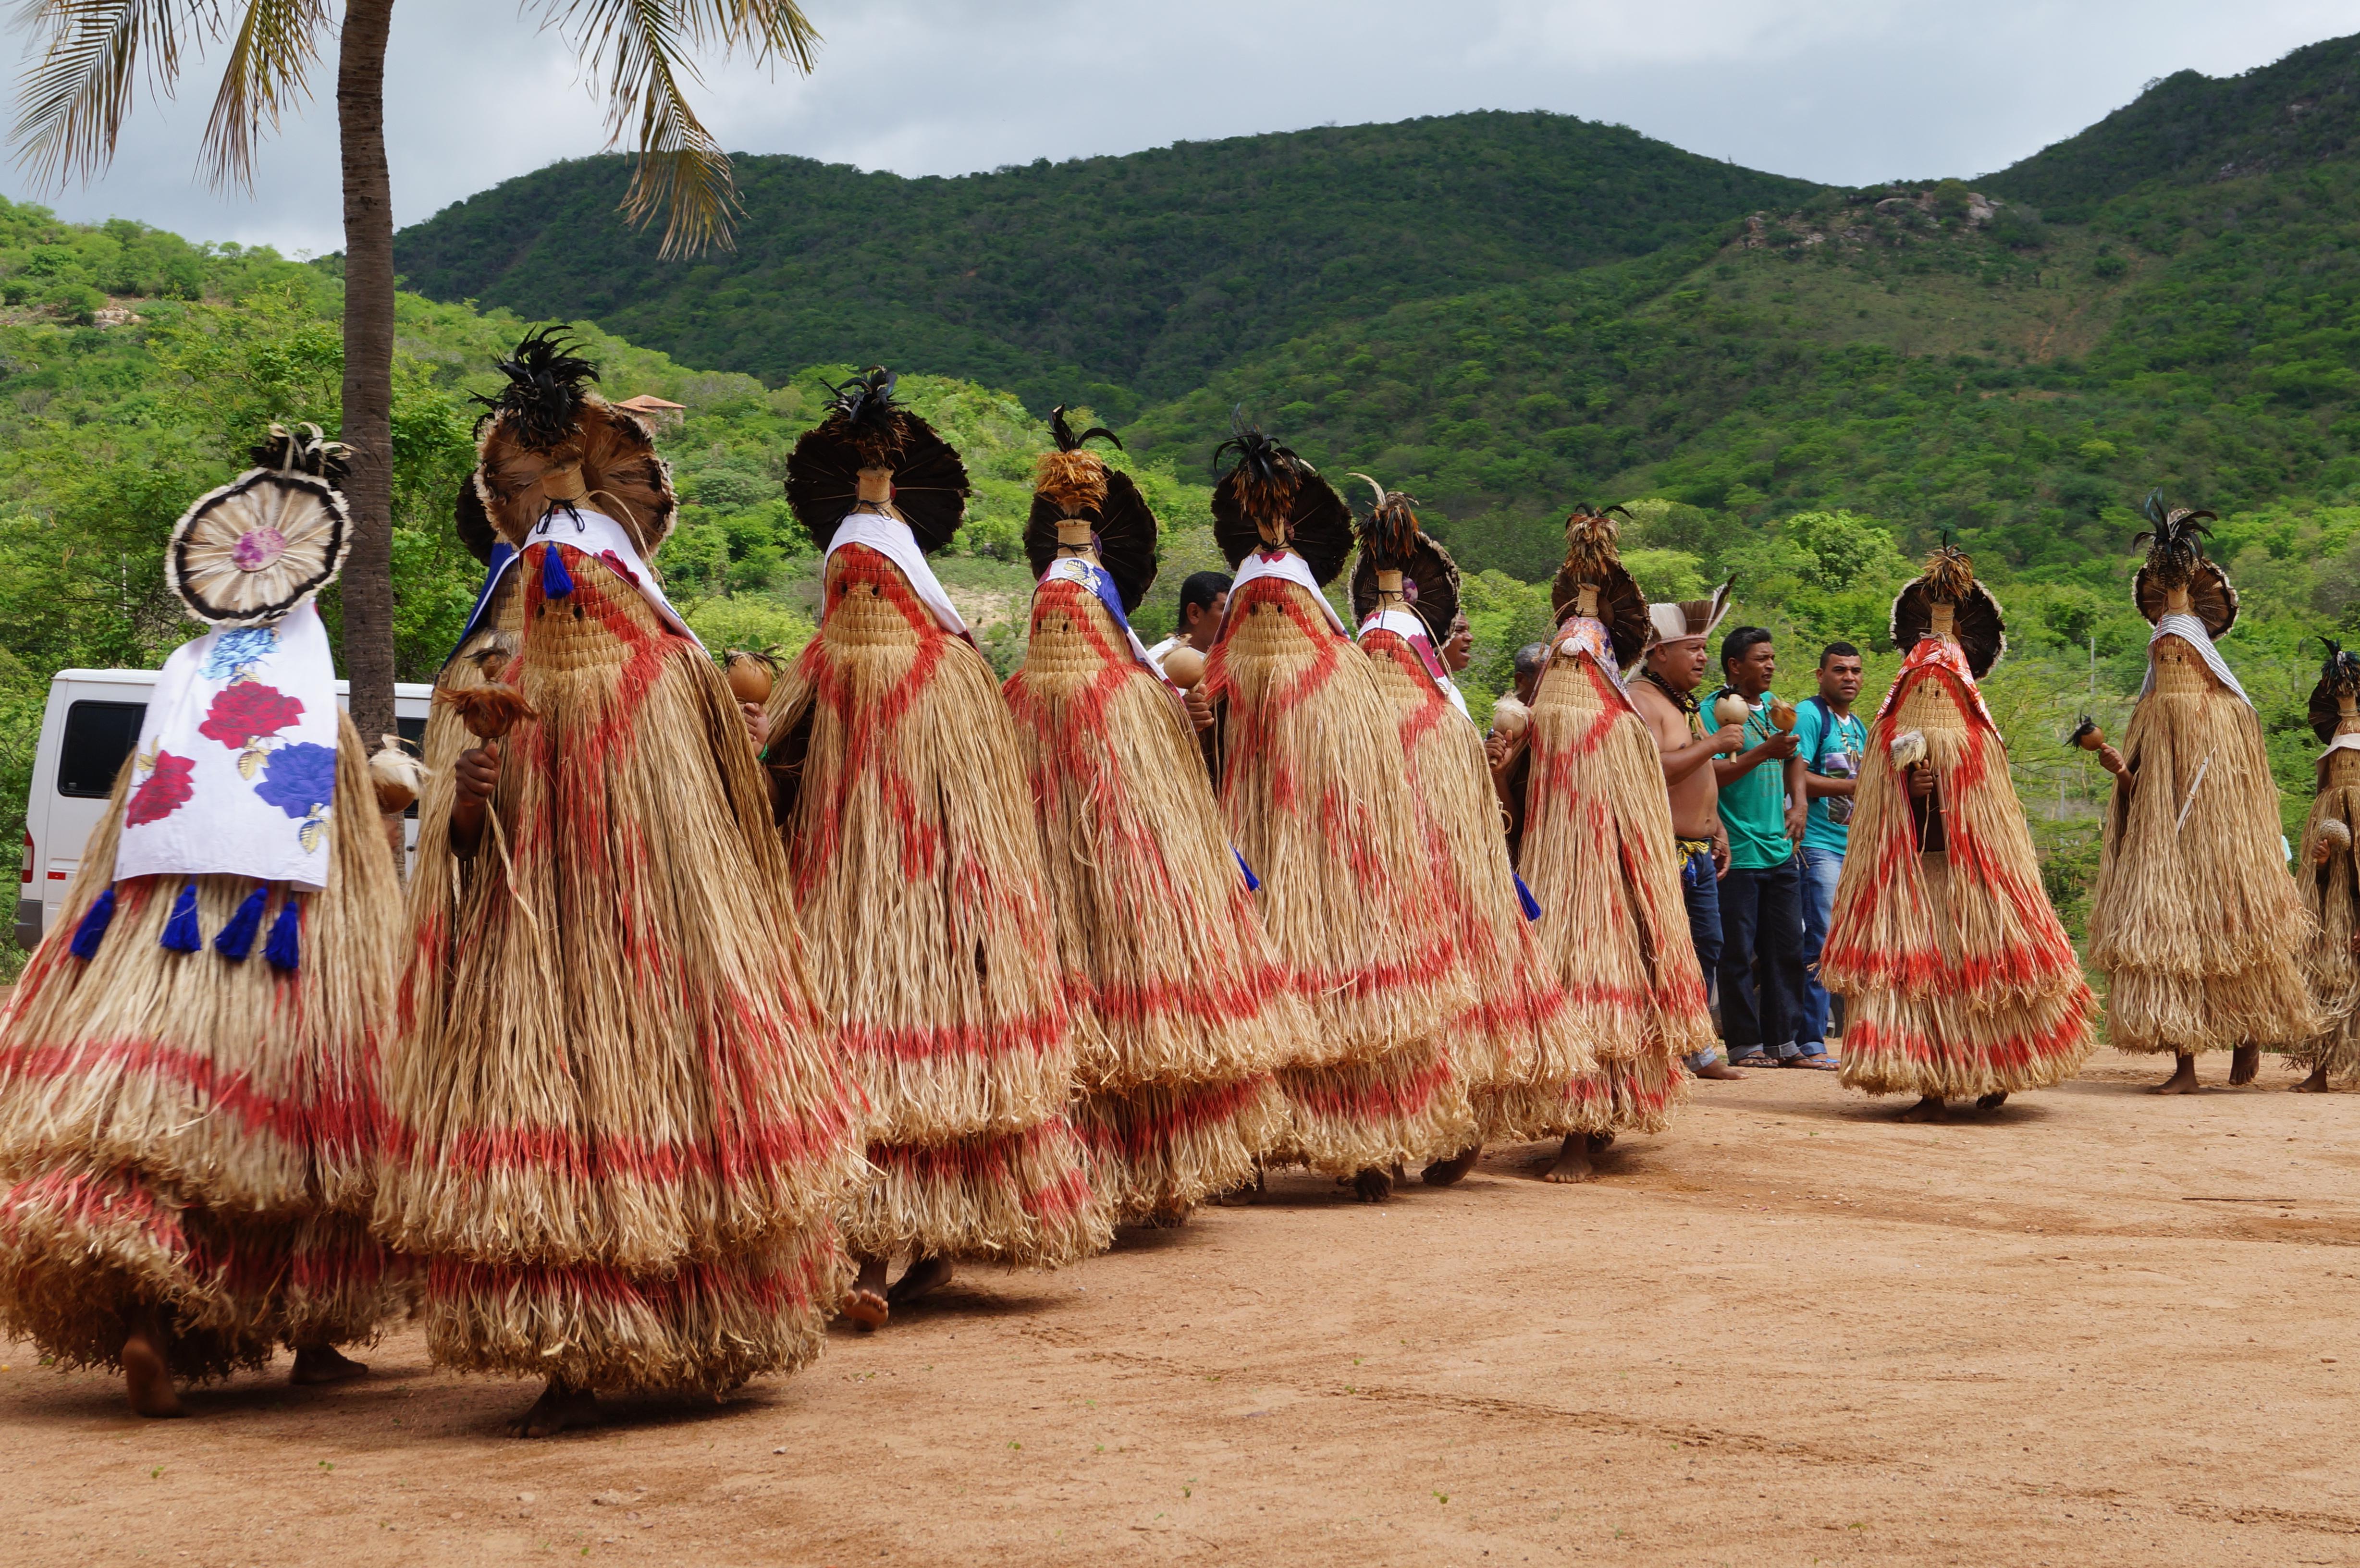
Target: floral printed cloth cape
(235,774)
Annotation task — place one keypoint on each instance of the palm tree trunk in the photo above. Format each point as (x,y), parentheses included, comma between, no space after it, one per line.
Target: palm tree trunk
(368,364)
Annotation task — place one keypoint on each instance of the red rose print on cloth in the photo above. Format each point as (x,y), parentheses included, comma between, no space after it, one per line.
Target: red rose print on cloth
(248,711)
(163,792)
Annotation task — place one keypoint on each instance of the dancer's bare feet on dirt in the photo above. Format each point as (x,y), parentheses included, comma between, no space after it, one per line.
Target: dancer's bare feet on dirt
(560,1406)
(147,1376)
(1718,1069)
(866,1306)
(1929,1109)
(1443,1172)
(2314,1085)
(323,1363)
(1991,1102)
(1373,1185)
(1577,1160)
(2182,1080)
(2245,1065)
(922,1279)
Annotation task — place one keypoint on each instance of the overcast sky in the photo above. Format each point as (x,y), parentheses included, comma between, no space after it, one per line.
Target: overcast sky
(1841,90)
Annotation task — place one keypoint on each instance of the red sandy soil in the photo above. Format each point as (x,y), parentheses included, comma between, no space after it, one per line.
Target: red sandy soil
(2099,1327)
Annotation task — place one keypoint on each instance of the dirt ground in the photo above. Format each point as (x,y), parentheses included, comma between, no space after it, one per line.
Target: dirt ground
(2098,1328)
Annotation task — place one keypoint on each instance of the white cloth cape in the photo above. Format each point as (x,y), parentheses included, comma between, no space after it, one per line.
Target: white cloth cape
(1296,570)
(891,538)
(2182,625)
(1099,583)
(1407,625)
(235,771)
(594,534)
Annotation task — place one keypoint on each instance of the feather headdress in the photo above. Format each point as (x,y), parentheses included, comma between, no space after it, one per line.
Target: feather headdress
(2335,701)
(1269,498)
(1678,620)
(549,444)
(1078,500)
(1593,571)
(1946,601)
(2177,576)
(865,429)
(1392,541)
(249,552)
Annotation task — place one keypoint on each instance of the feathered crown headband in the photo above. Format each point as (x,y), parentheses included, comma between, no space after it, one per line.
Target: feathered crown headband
(2176,578)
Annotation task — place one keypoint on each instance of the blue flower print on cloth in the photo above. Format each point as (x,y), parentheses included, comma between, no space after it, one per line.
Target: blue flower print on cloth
(236,652)
(300,781)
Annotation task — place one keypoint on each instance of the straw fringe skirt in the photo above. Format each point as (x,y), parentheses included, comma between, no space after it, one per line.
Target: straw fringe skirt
(1179,1007)
(1315,789)
(2331,898)
(2194,917)
(1517,1031)
(1958,980)
(198,1133)
(1599,855)
(618,1137)
(917,868)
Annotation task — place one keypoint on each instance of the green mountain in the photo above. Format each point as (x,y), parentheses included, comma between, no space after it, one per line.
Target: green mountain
(1118,279)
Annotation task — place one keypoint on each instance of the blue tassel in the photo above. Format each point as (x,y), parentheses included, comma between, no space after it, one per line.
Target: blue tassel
(283,949)
(1253,883)
(181,932)
(236,938)
(94,921)
(556,582)
(1524,897)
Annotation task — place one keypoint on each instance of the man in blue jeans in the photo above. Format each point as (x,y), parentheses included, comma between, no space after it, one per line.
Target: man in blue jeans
(1829,739)
(1762,807)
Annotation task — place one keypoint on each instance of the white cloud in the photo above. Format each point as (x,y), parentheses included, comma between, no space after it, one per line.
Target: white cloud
(1845,91)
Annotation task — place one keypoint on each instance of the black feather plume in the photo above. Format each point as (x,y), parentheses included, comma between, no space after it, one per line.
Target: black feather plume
(546,382)
(1063,433)
(304,450)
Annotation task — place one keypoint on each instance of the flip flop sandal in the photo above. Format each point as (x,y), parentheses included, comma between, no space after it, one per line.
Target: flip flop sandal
(1758,1058)
(1816,1063)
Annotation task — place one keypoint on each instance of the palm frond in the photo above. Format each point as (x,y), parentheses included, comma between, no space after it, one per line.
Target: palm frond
(639,49)
(89,57)
(273,47)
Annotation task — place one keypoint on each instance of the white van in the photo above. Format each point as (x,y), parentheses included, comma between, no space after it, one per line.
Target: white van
(89,727)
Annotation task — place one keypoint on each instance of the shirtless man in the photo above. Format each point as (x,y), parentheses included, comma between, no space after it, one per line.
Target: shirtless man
(1665,694)
(1204,600)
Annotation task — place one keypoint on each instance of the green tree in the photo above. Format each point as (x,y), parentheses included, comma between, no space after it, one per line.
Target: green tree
(91,55)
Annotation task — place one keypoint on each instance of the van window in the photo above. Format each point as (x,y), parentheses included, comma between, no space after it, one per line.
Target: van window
(99,735)
(414,732)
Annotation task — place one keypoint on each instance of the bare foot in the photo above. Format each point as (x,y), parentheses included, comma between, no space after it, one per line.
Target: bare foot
(1991,1102)
(318,1364)
(1717,1069)
(2182,1080)
(560,1406)
(2314,1085)
(866,1306)
(1373,1185)
(1577,1161)
(1929,1109)
(1443,1172)
(2245,1063)
(145,1376)
(922,1279)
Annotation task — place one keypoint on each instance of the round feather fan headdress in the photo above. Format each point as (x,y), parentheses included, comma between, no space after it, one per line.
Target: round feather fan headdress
(1080,503)
(1947,601)
(1271,499)
(2177,576)
(1391,541)
(1593,581)
(914,474)
(2337,693)
(247,553)
(549,444)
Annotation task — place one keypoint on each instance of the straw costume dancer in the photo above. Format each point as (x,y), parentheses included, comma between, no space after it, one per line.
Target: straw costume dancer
(618,1134)
(909,823)
(2326,874)
(1958,979)
(1315,789)
(188,1111)
(2194,919)
(1591,828)
(1179,1007)
(1515,1041)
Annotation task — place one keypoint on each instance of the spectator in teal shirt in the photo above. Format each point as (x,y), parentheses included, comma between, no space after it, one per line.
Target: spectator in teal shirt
(1763,807)
(1828,740)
